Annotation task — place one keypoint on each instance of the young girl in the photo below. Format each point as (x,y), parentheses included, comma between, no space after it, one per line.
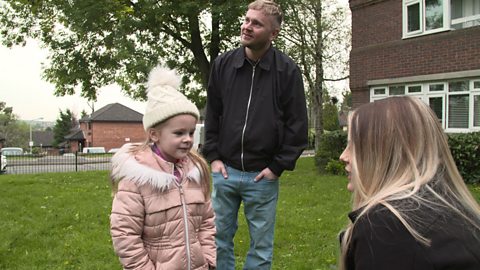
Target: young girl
(161,216)
(411,208)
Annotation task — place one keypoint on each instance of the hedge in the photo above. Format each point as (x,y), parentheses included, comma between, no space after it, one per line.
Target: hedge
(465,149)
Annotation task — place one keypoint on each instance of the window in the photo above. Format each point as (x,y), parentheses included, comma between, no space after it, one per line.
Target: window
(413,18)
(436,87)
(421,17)
(424,17)
(456,103)
(438,107)
(414,89)
(476,104)
(433,14)
(396,90)
(476,110)
(458,111)
(379,91)
(465,13)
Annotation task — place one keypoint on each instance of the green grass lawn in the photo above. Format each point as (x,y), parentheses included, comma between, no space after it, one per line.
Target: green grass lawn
(61,221)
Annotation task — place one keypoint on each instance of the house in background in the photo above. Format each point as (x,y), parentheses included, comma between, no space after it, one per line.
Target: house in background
(110,127)
(43,140)
(428,49)
(74,141)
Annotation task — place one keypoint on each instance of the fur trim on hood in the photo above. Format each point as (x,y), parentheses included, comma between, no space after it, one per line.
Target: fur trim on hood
(127,165)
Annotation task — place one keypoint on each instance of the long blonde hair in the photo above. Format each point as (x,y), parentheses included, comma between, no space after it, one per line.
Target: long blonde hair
(398,148)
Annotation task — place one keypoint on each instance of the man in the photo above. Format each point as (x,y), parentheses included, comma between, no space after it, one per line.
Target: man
(256,127)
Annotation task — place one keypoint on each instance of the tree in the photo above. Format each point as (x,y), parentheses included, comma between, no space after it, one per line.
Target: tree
(347,101)
(330,115)
(63,125)
(94,43)
(317,36)
(14,132)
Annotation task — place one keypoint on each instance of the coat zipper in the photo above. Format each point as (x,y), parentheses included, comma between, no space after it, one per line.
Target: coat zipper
(185,221)
(246,116)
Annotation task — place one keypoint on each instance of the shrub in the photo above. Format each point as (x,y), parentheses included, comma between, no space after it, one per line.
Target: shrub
(335,167)
(465,149)
(331,147)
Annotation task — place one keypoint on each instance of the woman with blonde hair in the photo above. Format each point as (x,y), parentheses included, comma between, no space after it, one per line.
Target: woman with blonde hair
(411,208)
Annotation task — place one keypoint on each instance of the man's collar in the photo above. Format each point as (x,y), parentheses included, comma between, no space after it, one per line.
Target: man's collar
(265,62)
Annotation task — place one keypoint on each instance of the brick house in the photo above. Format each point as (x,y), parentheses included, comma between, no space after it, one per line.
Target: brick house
(110,127)
(44,141)
(424,48)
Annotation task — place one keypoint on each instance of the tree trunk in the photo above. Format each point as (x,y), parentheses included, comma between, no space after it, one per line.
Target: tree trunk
(318,90)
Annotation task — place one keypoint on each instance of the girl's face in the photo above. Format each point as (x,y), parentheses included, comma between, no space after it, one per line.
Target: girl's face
(346,158)
(174,137)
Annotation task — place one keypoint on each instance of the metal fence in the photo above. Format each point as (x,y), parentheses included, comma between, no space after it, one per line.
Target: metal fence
(71,162)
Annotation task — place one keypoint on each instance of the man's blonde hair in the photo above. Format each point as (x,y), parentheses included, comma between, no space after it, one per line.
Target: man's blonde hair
(269,8)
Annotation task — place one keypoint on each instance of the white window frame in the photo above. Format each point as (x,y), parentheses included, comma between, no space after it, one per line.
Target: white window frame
(473,93)
(426,94)
(423,31)
(407,86)
(376,96)
(427,100)
(397,85)
(436,92)
(459,93)
(465,19)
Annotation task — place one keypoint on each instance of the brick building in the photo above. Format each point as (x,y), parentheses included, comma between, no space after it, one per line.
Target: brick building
(424,48)
(111,127)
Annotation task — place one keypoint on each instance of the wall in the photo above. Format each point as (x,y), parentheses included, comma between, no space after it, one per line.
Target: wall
(379,52)
(115,134)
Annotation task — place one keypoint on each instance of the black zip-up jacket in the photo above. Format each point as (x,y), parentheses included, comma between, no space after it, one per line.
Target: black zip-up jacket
(380,241)
(256,113)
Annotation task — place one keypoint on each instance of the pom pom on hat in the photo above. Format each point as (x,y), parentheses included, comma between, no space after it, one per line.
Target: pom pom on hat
(164,100)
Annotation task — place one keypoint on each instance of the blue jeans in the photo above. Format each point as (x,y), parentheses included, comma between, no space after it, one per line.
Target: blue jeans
(259,202)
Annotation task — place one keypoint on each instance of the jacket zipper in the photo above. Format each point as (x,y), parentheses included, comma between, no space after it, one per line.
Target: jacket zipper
(185,221)
(246,116)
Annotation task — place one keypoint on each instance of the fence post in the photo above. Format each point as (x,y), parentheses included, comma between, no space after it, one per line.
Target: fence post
(76,161)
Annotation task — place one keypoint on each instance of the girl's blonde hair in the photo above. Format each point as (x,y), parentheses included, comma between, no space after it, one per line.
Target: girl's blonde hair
(398,148)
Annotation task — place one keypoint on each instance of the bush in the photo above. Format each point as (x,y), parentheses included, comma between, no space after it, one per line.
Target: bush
(331,147)
(335,167)
(465,149)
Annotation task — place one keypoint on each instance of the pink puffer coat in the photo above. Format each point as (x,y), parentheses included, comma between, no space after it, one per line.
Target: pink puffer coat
(157,223)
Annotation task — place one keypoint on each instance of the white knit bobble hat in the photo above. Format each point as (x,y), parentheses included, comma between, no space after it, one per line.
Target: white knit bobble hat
(164,100)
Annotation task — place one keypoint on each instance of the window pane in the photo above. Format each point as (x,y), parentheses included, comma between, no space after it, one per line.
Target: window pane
(433,14)
(476,85)
(436,103)
(476,111)
(415,89)
(464,13)
(413,17)
(458,86)
(458,111)
(397,90)
(435,87)
(379,91)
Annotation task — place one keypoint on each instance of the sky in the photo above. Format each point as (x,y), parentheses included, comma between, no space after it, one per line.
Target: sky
(31,97)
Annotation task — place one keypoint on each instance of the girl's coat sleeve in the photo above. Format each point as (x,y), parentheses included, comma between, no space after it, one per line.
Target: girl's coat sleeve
(126,227)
